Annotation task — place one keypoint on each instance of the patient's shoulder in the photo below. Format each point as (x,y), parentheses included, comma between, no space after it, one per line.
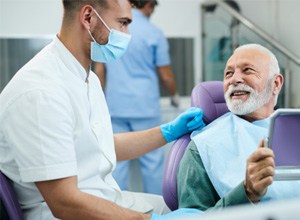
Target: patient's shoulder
(192,146)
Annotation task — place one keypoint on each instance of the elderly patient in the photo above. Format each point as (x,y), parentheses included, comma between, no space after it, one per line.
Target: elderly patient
(226,163)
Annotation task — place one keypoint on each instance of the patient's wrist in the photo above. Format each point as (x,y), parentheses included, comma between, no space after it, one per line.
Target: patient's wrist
(252,196)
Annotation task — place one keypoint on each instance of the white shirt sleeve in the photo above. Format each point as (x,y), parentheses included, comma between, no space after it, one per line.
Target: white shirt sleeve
(39,127)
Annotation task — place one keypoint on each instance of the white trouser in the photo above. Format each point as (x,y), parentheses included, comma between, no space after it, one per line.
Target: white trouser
(143,200)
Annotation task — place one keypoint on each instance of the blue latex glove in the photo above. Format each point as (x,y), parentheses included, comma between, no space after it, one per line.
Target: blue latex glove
(186,122)
(177,214)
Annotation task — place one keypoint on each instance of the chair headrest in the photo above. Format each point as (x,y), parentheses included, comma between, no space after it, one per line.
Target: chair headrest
(209,96)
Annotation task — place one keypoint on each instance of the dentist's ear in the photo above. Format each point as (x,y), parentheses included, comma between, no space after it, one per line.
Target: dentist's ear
(86,16)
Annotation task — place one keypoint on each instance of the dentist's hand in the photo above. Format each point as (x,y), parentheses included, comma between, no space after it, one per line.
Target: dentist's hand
(186,122)
(177,214)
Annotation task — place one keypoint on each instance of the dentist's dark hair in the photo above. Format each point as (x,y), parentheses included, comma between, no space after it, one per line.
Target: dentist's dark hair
(72,6)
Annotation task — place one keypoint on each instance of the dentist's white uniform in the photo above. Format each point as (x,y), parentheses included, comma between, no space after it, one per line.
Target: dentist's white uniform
(54,123)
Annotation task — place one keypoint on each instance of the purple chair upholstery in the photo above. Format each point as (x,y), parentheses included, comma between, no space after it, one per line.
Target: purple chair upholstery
(9,203)
(208,96)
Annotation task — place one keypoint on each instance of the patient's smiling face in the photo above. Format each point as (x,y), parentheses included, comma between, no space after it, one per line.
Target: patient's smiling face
(247,81)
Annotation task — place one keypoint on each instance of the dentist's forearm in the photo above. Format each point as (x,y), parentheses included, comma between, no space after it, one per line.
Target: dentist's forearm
(135,144)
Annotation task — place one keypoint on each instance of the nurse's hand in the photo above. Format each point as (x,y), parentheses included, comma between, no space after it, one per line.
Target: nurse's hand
(259,172)
(177,214)
(186,122)
(175,100)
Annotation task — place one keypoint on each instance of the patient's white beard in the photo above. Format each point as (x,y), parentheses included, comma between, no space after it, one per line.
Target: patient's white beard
(254,101)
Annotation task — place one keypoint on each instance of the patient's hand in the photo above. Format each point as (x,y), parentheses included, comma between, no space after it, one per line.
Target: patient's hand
(259,172)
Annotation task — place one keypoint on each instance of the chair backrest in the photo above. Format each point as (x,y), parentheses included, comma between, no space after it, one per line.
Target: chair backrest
(9,203)
(208,96)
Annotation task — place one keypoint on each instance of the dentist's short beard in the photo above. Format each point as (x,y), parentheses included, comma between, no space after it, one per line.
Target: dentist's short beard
(255,100)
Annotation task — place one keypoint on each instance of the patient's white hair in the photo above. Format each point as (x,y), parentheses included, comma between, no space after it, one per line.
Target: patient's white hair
(274,66)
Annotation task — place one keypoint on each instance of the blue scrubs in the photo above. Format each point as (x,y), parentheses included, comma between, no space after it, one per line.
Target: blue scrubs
(132,94)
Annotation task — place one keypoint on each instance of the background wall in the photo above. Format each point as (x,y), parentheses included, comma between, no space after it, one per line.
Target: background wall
(280,19)
(177,18)
(19,18)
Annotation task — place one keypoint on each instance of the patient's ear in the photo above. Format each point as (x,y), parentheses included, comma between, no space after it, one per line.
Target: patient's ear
(277,84)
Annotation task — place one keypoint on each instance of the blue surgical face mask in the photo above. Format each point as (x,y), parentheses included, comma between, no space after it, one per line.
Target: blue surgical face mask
(115,47)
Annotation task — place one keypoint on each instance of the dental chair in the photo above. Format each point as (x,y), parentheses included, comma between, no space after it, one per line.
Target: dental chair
(9,206)
(208,96)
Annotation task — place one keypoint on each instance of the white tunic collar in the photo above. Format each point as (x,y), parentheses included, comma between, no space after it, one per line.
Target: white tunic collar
(68,59)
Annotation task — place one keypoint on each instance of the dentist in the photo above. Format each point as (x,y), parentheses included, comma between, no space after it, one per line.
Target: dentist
(56,140)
